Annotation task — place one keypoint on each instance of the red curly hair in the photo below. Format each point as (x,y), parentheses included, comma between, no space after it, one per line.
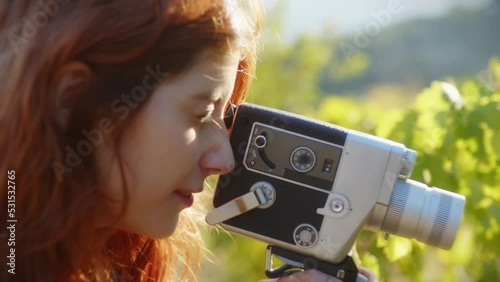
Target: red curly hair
(56,237)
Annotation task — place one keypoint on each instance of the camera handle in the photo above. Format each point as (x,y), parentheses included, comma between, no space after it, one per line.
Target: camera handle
(261,195)
(293,262)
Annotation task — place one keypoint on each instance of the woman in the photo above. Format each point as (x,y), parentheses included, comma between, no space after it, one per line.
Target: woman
(111,118)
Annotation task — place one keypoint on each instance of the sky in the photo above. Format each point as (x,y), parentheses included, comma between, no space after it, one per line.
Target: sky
(346,16)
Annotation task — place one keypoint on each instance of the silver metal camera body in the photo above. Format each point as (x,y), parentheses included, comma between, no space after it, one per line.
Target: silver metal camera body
(310,187)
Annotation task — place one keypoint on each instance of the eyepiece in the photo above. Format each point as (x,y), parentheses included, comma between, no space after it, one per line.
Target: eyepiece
(428,214)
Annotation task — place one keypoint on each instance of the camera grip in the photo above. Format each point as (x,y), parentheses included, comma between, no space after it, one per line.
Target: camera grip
(345,270)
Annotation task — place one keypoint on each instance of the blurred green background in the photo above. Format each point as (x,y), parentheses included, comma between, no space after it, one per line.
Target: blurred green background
(395,85)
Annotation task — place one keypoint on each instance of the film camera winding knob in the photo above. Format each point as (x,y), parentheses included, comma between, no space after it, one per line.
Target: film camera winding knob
(260,141)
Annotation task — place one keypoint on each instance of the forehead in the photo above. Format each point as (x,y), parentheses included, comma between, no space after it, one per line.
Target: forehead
(211,68)
(208,74)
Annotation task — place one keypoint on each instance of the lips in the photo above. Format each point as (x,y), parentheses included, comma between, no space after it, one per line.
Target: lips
(186,195)
(188,192)
(183,193)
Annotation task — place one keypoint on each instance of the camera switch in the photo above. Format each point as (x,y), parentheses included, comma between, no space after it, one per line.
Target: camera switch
(327,166)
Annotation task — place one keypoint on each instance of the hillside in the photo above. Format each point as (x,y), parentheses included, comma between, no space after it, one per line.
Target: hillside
(420,51)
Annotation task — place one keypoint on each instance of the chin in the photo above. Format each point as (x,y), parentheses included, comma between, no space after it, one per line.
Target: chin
(160,235)
(153,226)
(161,231)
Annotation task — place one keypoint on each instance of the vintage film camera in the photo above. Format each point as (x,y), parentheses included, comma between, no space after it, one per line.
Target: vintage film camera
(307,188)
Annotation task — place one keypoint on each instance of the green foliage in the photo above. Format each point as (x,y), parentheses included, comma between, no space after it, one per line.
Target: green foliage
(234,258)
(351,67)
(288,74)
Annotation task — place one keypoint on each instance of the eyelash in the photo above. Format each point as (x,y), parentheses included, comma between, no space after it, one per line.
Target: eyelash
(206,117)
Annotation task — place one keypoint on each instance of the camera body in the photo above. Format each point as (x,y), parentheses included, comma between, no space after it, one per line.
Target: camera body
(322,185)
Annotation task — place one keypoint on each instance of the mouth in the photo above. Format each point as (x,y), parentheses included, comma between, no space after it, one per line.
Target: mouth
(183,193)
(186,195)
(188,192)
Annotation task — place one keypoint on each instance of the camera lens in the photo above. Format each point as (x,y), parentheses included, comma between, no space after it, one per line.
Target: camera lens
(302,159)
(428,214)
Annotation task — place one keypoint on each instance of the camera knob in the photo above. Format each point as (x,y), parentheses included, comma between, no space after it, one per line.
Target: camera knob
(260,141)
(305,235)
(268,193)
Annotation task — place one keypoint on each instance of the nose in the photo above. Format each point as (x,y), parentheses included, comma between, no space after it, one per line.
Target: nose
(218,158)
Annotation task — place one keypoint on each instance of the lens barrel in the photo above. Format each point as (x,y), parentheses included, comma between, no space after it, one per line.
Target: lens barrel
(428,214)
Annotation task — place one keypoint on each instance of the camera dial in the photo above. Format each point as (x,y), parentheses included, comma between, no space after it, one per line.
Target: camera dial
(260,141)
(305,235)
(303,159)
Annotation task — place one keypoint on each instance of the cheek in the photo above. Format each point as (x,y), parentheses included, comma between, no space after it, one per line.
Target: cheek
(190,136)
(179,154)
(160,157)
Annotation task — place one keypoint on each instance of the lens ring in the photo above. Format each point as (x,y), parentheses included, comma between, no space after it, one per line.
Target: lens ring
(303,159)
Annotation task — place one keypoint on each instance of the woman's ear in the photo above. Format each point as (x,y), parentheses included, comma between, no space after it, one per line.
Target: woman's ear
(70,81)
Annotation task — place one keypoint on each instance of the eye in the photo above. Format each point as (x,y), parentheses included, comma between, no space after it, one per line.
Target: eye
(205,117)
(207,114)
